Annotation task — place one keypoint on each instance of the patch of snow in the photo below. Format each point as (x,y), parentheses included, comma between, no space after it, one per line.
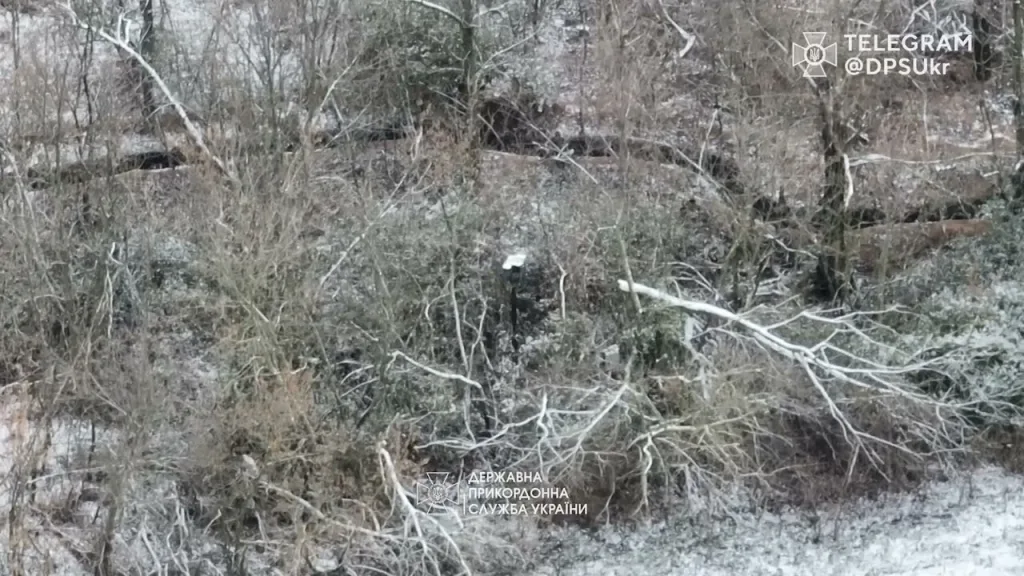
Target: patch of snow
(974,525)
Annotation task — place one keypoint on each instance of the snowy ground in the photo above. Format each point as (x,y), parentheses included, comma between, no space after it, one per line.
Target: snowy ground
(971,525)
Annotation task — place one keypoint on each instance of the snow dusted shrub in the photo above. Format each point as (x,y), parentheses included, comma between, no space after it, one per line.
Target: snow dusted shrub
(971,301)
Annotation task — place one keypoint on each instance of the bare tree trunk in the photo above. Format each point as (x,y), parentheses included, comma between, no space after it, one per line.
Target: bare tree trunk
(981,29)
(833,277)
(16,60)
(470,85)
(1018,75)
(536,11)
(469,63)
(1017,178)
(147,48)
(105,545)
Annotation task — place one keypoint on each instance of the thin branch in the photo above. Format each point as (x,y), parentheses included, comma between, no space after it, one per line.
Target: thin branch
(688,39)
(438,373)
(441,9)
(458,320)
(414,516)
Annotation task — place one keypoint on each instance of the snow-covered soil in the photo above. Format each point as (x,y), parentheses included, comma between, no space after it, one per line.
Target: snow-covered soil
(973,525)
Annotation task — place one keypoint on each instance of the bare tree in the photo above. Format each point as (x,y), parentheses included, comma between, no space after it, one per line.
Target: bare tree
(1017,179)
(832,274)
(1018,75)
(832,279)
(981,28)
(147,49)
(467,26)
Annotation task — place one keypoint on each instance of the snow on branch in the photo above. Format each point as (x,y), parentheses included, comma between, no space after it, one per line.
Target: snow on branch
(193,132)
(814,360)
(688,38)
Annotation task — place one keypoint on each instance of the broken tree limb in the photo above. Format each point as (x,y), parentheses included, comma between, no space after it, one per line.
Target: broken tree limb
(441,10)
(814,361)
(688,38)
(193,132)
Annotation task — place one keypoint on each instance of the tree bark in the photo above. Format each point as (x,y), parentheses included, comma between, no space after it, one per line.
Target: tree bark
(833,279)
(470,85)
(1018,75)
(981,29)
(147,48)
(1017,178)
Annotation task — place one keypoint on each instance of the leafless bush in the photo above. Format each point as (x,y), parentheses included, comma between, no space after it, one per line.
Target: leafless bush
(278,341)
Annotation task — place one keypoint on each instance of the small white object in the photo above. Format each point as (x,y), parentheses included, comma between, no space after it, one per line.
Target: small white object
(611,358)
(514,261)
(689,329)
(252,470)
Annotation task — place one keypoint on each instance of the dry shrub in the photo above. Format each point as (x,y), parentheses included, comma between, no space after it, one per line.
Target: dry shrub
(295,448)
(750,65)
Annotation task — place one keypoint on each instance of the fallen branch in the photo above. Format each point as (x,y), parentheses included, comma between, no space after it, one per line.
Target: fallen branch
(688,39)
(414,516)
(347,529)
(814,362)
(193,132)
(441,10)
(438,373)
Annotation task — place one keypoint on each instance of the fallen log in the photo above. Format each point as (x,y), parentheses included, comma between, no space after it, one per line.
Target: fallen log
(80,172)
(178,152)
(893,247)
(962,199)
